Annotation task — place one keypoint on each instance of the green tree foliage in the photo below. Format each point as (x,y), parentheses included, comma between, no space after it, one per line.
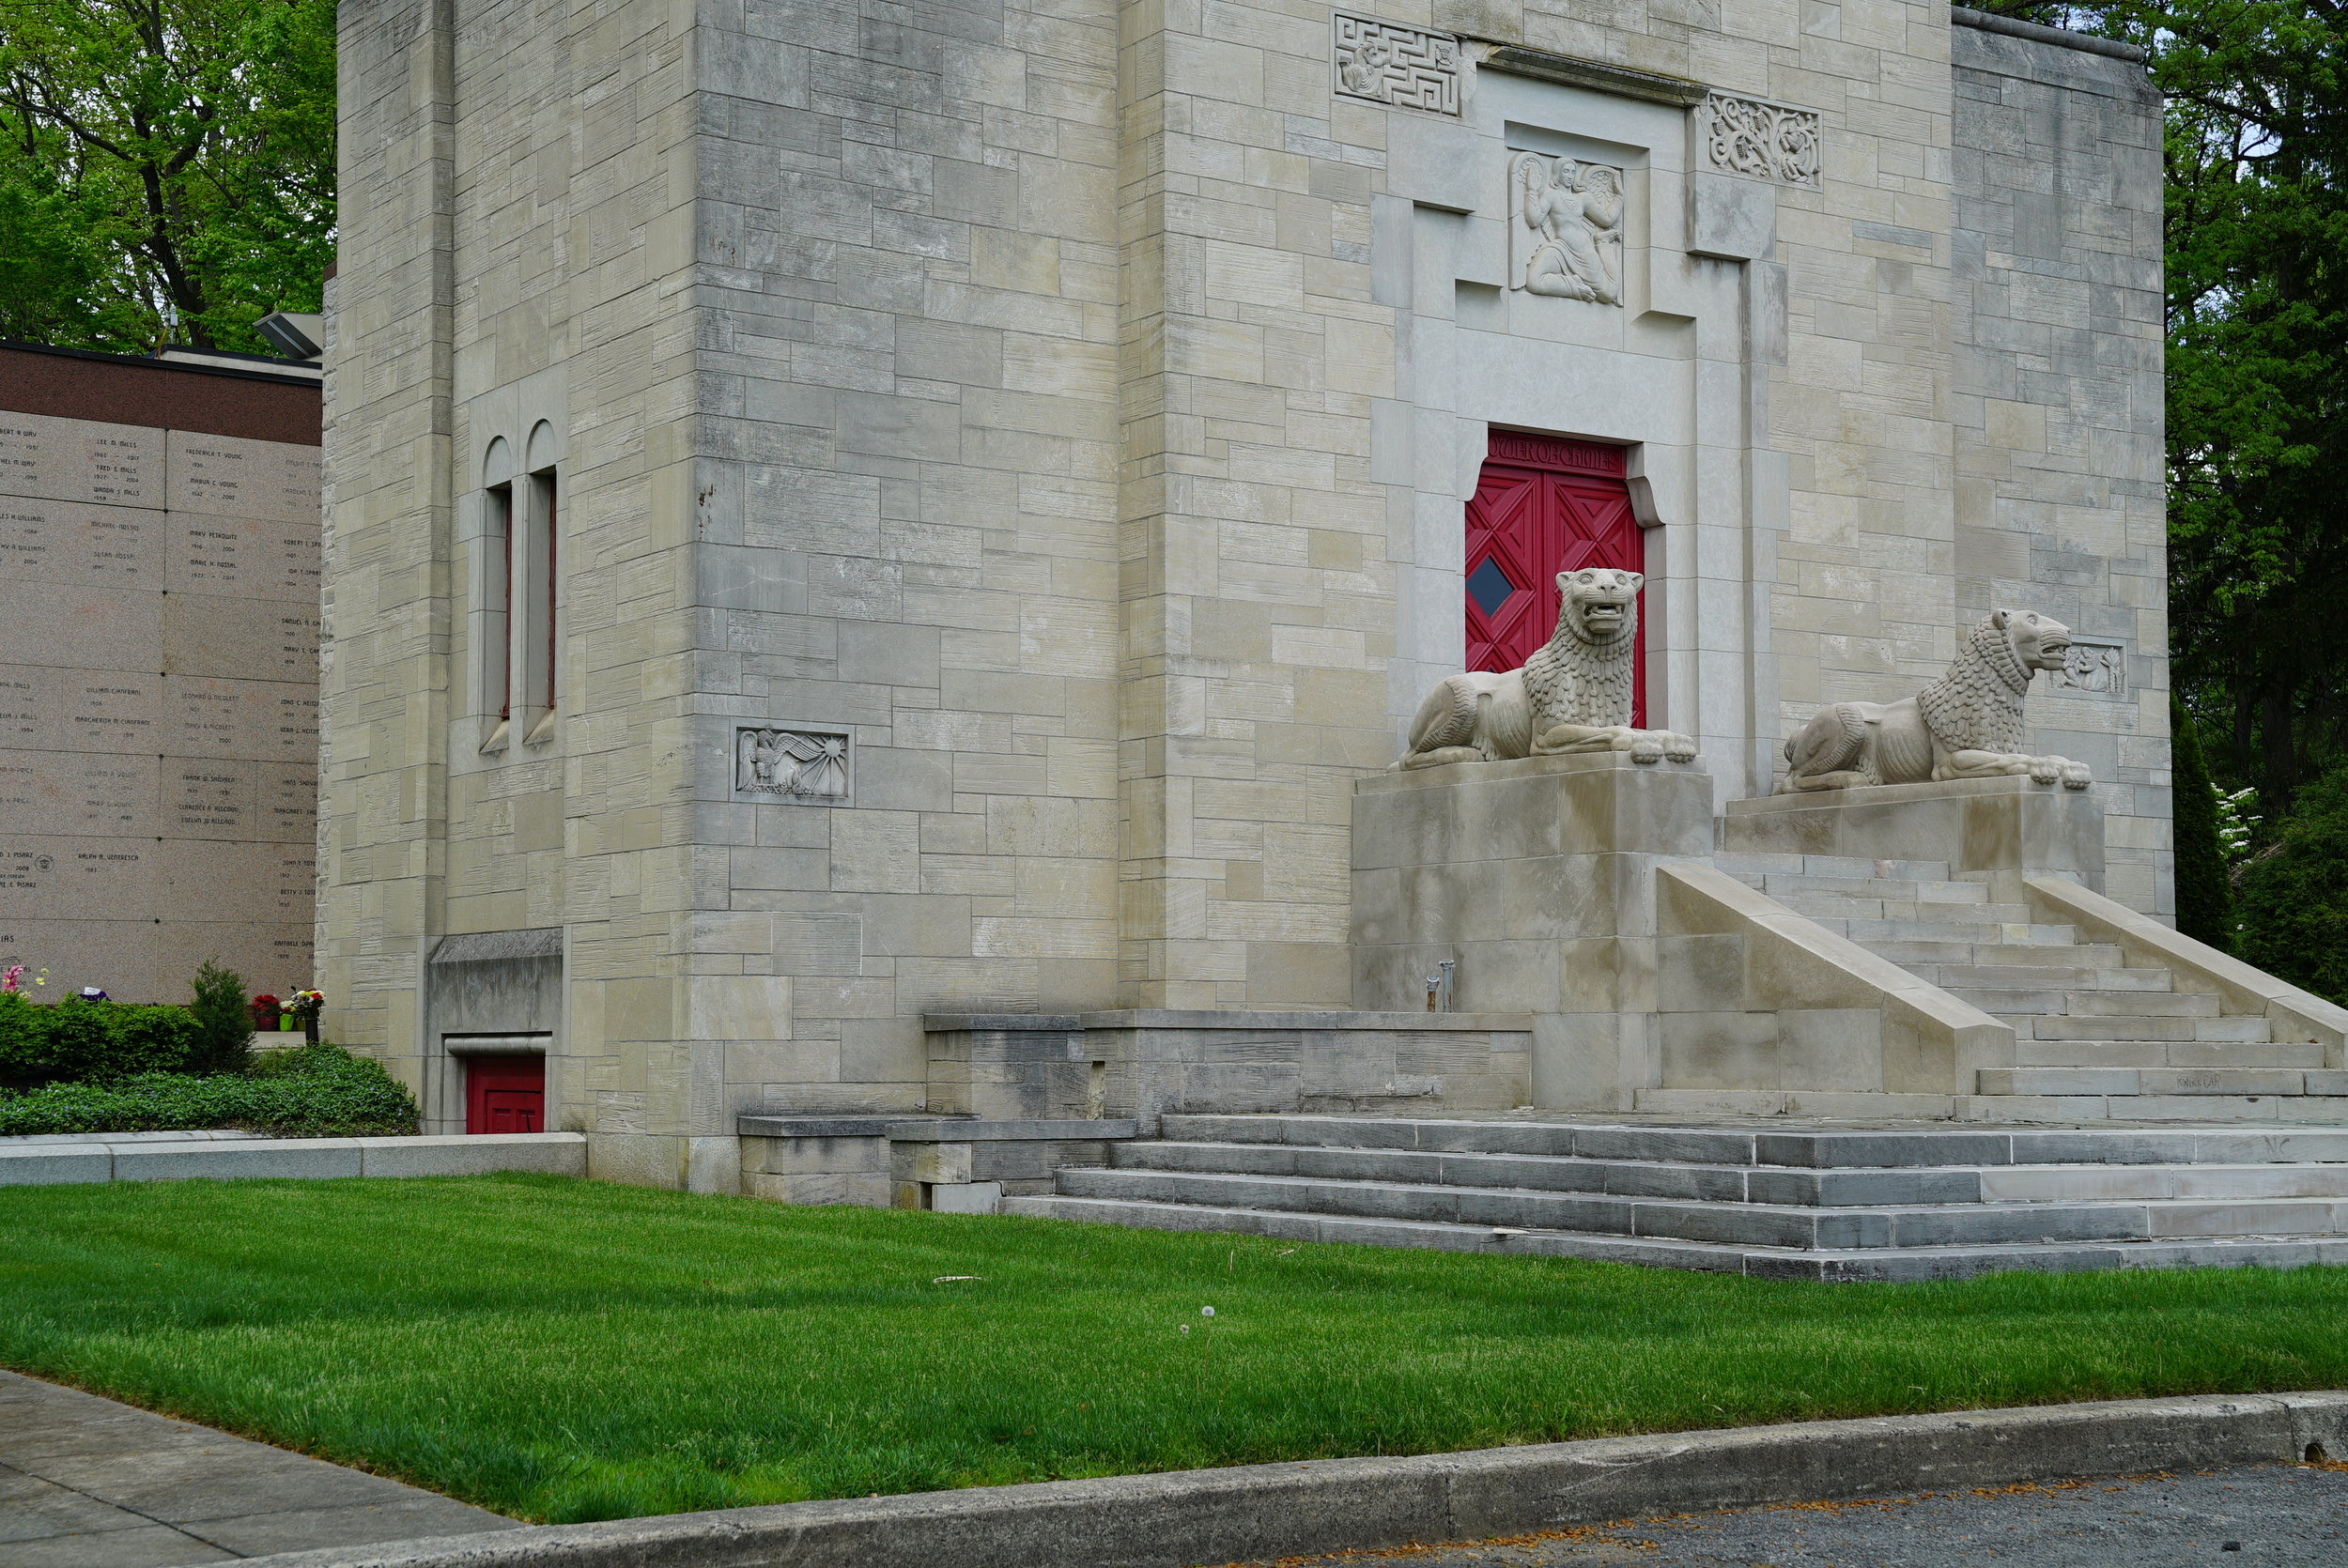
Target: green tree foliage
(166,168)
(2256,161)
(2293,904)
(2205,901)
(223,1021)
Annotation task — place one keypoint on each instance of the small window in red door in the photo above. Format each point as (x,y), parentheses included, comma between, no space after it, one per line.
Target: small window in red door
(505,1094)
(1545,505)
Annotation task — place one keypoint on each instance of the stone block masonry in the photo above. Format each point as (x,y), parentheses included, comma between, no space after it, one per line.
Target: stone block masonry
(1053,424)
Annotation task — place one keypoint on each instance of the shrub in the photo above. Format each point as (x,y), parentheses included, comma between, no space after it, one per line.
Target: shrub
(96,1041)
(312,1091)
(2293,904)
(224,1020)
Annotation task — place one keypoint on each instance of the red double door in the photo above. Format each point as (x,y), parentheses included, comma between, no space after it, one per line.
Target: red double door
(1544,505)
(505,1094)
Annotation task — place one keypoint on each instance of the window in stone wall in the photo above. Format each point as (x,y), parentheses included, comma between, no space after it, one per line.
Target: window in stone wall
(496,618)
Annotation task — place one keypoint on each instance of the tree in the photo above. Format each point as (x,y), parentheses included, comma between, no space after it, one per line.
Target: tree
(223,1021)
(2293,906)
(2204,901)
(166,168)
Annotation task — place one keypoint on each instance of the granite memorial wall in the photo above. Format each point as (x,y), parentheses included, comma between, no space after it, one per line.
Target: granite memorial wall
(159,588)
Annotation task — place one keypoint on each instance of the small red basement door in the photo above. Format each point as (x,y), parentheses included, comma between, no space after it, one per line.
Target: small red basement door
(505,1094)
(1545,505)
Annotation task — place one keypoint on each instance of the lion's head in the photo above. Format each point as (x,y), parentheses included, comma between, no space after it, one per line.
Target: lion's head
(1977,705)
(2039,641)
(1600,605)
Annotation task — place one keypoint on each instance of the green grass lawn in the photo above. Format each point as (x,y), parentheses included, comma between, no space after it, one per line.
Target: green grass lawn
(567,1350)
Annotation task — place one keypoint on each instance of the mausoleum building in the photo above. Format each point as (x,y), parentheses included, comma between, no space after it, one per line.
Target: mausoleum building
(849,523)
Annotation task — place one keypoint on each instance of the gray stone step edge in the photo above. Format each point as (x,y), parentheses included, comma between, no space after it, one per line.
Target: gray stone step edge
(319,1159)
(1251,1513)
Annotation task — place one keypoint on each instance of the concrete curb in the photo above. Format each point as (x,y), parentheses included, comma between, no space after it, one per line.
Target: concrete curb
(56,1165)
(1254,1512)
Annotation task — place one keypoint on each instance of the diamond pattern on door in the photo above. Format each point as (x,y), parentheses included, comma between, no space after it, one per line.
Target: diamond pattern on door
(1544,505)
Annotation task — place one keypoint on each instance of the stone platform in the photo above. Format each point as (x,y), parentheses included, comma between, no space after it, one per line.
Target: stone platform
(1882,1202)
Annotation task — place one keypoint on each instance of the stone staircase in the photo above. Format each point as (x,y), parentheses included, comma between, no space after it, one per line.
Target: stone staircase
(1891,1203)
(2095,1040)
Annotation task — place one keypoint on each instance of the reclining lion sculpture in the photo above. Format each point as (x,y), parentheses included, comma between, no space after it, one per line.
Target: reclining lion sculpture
(1573,695)
(1966,725)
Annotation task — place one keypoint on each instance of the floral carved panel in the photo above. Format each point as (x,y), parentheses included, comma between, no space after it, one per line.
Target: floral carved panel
(1565,224)
(1761,140)
(809,767)
(1387,63)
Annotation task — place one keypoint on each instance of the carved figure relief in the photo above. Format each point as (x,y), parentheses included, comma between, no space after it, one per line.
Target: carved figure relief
(792,764)
(2093,669)
(1573,696)
(1761,140)
(1966,725)
(1568,220)
(1387,63)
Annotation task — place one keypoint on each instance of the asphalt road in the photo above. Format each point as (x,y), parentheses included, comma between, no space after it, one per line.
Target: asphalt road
(2270,1513)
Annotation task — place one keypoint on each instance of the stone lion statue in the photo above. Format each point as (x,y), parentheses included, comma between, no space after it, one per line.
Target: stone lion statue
(1573,695)
(1966,725)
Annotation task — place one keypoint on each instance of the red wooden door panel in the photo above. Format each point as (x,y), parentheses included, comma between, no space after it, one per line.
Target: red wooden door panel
(505,1094)
(1544,505)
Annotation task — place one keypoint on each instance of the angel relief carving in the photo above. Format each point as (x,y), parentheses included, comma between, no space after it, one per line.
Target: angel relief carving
(1569,227)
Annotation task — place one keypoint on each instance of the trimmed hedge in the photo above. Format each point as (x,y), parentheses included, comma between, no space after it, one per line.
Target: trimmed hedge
(93,1041)
(312,1091)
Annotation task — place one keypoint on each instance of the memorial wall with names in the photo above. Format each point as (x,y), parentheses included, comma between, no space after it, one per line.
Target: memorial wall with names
(159,624)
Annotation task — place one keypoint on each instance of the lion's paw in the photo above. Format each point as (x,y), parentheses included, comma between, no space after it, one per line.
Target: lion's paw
(1679,747)
(2075,776)
(2045,770)
(1646,748)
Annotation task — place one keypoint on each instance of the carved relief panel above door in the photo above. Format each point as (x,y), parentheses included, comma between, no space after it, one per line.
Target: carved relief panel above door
(1565,225)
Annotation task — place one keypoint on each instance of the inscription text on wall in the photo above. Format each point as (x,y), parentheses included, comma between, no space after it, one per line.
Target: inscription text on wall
(1387,63)
(1761,140)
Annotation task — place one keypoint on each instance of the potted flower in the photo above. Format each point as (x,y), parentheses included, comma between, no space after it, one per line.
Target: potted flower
(302,1007)
(265,1013)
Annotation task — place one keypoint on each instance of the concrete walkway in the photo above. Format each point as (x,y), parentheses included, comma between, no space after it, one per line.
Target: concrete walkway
(86,1482)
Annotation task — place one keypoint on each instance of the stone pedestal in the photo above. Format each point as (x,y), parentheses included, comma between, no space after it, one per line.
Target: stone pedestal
(1537,880)
(1988,830)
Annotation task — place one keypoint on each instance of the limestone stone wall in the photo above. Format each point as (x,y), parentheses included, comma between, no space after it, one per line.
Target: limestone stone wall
(157,698)
(1012,459)
(2058,406)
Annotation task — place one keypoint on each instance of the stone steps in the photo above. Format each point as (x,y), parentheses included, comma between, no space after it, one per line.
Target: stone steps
(1845,1188)
(1894,1202)
(1801,1148)
(2094,1038)
(2165,1053)
(1886,1265)
(1912,955)
(2110,1081)
(2028,977)
(2305,1110)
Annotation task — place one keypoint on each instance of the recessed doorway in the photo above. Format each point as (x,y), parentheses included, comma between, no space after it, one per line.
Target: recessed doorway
(1544,505)
(505,1094)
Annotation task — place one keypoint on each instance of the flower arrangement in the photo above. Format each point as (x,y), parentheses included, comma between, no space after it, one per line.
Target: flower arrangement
(265,1013)
(12,980)
(302,1007)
